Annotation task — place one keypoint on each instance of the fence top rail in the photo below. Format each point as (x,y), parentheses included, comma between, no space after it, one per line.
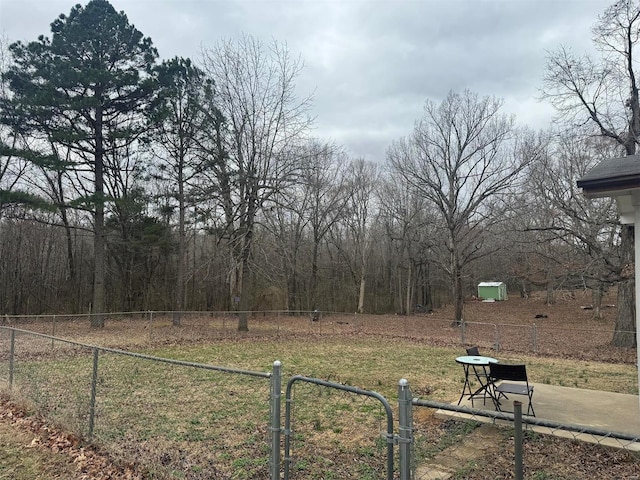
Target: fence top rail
(170,312)
(537,325)
(48,337)
(184,363)
(346,388)
(72,315)
(284,312)
(475,323)
(144,356)
(528,420)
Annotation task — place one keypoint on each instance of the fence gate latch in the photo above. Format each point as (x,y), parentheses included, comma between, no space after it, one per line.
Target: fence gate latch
(395,439)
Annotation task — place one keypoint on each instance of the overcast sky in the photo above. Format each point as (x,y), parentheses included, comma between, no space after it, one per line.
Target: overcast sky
(371,63)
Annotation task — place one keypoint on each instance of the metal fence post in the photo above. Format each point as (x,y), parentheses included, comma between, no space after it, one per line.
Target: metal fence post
(12,351)
(276,398)
(463,327)
(534,337)
(92,402)
(405,427)
(517,437)
(287,431)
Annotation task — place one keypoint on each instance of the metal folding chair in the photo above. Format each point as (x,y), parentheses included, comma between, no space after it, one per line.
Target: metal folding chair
(502,375)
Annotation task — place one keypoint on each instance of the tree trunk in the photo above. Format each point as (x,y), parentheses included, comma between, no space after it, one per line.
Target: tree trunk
(456,285)
(400,297)
(362,292)
(178,305)
(596,300)
(292,293)
(289,283)
(97,310)
(409,293)
(99,254)
(235,280)
(458,298)
(245,275)
(625,331)
(314,276)
(551,299)
(243,321)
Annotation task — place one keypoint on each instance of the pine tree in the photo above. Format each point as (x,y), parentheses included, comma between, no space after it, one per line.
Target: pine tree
(86,89)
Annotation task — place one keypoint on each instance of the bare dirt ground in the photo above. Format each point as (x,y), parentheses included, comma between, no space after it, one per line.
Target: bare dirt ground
(563,330)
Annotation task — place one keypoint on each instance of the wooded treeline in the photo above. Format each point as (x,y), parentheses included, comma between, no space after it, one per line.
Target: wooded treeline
(128,183)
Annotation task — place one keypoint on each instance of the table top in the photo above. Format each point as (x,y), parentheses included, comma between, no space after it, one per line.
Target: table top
(476,360)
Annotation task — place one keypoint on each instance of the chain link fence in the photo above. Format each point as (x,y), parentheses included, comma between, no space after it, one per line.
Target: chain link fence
(149,328)
(177,419)
(478,440)
(171,418)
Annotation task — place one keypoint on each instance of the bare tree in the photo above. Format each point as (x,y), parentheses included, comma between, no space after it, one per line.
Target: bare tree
(305,213)
(50,180)
(461,158)
(324,184)
(180,122)
(587,228)
(362,212)
(600,96)
(255,93)
(406,218)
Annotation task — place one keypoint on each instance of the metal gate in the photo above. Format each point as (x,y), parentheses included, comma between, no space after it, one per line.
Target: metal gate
(389,435)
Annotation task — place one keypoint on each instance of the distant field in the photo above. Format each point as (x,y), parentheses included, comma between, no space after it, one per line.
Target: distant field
(517,326)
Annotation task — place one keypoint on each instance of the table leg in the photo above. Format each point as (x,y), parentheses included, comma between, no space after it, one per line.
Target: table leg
(485,385)
(466,385)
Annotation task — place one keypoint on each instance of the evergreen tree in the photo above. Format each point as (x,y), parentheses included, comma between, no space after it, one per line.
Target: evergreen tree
(183,117)
(86,89)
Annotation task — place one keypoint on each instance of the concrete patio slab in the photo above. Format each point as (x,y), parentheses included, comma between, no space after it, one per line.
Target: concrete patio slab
(614,412)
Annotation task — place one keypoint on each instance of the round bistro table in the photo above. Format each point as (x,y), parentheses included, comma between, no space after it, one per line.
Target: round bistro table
(478,365)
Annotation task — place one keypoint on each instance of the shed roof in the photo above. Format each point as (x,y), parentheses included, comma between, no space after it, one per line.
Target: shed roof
(490,284)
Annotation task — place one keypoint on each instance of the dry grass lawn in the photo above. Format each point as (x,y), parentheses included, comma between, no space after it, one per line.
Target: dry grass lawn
(197,424)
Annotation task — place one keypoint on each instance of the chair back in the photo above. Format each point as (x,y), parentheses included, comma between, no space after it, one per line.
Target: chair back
(473,352)
(503,371)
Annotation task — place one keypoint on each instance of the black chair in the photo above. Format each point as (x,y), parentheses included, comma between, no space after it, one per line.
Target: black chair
(505,374)
(481,374)
(473,352)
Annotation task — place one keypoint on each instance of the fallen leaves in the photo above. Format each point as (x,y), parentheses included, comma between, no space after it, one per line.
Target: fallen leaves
(89,463)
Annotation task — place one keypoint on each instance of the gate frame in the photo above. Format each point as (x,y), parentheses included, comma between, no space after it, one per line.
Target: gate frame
(390,438)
